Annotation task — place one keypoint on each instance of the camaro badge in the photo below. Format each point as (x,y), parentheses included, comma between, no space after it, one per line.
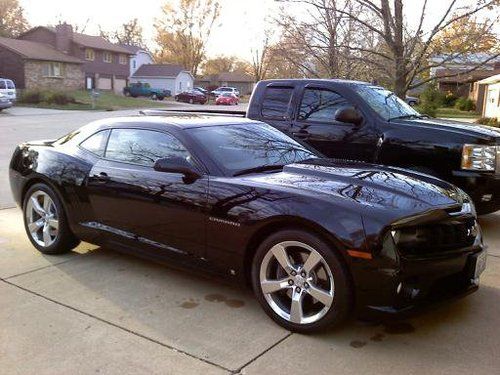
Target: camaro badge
(222,221)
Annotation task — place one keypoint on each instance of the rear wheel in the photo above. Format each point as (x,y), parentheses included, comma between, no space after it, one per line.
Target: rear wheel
(300,282)
(45,221)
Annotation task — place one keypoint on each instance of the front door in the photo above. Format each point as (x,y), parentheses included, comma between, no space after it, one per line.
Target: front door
(132,200)
(315,125)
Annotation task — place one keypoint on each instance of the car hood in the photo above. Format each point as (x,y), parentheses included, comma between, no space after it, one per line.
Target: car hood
(374,186)
(464,128)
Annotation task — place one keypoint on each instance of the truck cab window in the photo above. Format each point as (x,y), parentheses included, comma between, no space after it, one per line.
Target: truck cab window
(320,105)
(276,102)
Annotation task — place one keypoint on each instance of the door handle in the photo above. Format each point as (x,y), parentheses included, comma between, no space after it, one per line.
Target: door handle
(101,177)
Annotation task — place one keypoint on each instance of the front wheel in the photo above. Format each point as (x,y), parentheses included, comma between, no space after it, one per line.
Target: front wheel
(45,221)
(300,282)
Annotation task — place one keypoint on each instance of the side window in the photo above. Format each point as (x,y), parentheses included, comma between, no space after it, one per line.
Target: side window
(320,105)
(3,86)
(96,143)
(10,85)
(143,147)
(276,102)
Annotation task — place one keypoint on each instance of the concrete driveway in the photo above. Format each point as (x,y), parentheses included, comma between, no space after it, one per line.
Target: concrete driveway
(98,311)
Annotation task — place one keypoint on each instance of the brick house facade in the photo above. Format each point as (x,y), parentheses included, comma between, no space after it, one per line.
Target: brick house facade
(57,57)
(35,66)
(105,65)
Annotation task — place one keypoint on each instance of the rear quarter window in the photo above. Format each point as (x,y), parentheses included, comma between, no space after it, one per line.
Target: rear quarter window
(96,143)
(276,102)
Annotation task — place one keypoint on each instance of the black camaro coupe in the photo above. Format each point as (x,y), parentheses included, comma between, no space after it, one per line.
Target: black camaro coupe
(316,238)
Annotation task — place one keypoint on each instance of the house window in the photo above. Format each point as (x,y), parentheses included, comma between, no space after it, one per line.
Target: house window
(123,59)
(134,64)
(89,54)
(53,69)
(107,57)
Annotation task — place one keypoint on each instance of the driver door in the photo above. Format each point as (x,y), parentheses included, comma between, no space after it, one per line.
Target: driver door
(132,201)
(315,125)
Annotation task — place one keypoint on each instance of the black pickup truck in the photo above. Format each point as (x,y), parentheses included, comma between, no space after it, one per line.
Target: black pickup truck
(358,121)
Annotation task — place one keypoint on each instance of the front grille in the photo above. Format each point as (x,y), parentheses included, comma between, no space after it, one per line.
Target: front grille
(420,240)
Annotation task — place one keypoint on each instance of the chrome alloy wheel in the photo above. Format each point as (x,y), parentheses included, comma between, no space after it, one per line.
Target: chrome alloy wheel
(296,282)
(42,219)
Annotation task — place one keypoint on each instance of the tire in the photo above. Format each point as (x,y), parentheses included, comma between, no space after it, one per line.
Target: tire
(160,98)
(329,274)
(58,241)
(154,97)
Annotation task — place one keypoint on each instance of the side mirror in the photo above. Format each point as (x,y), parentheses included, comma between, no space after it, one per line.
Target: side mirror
(176,165)
(349,115)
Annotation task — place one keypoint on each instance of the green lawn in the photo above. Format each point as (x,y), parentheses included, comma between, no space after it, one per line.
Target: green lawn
(106,101)
(455,113)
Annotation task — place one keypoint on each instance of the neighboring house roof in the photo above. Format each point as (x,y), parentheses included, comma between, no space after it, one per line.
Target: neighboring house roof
(466,59)
(227,77)
(90,41)
(159,70)
(491,80)
(463,75)
(132,49)
(37,51)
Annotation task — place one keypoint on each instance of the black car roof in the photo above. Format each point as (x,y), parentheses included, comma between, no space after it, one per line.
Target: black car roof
(187,121)
(309,80)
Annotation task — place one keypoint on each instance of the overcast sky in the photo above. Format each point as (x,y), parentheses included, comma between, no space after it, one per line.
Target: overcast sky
(240,25)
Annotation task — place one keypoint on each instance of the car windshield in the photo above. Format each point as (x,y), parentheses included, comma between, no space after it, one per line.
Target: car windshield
(386,103)
(245,147)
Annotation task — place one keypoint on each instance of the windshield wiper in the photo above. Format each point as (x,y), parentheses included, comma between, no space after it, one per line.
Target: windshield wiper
(408,116)
(261,168)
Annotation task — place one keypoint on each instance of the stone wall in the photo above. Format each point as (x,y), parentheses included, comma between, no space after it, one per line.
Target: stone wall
(72,78)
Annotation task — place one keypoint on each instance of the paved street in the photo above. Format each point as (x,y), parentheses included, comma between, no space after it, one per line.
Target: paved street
(98,311)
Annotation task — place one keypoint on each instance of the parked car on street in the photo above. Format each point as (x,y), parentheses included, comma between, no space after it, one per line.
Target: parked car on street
(412,101)
(224,89)
(8,89)
(202,90)
(316,238)
(227,98)
(192,97)
(359,121)
(143,89)
(4,102)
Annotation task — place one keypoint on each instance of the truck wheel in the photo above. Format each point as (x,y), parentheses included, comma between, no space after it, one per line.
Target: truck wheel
(300,281)
(154,97)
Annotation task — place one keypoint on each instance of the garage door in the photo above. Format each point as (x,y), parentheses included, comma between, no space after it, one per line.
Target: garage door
(104,84)
(119,85)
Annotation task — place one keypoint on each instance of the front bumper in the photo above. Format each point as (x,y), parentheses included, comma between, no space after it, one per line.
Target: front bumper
(483,188)
(5,104)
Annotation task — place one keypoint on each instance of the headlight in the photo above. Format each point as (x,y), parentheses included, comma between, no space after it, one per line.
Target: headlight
(478,157)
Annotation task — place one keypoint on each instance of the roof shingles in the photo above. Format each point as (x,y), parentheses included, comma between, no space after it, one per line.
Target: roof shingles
(37,51)
(158,70)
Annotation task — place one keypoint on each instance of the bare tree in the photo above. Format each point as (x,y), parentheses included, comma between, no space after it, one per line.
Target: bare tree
(183,31)
(12,20)
(376,33)
(130,33)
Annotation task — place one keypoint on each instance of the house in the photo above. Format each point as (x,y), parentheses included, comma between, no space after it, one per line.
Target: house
(105,65)
(138,57)
(243,82)
(164,76)
(33,65)
(491,101)
(457,74)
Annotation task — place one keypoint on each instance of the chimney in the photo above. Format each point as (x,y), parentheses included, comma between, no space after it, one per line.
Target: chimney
(64,37)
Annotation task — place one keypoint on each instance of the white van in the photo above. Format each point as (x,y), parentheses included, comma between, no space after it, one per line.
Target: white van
(8,89)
